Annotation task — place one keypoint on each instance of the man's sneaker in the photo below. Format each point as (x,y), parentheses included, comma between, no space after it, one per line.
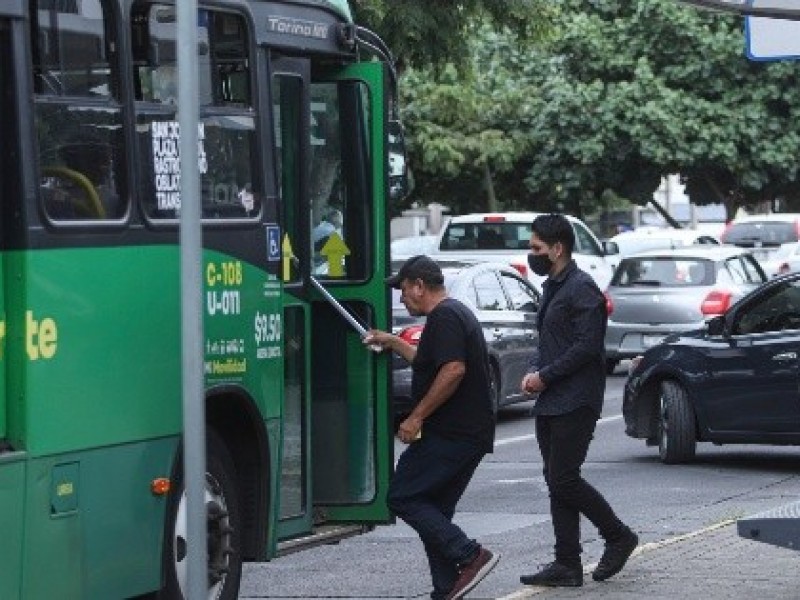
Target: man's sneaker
(555,575)
(616,555)
(472,573)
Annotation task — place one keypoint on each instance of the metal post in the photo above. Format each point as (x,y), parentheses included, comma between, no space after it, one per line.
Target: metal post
(194,450)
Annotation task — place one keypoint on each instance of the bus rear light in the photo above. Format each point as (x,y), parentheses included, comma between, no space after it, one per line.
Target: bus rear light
(160,486)
(609,304)
(411,335)
(716,303)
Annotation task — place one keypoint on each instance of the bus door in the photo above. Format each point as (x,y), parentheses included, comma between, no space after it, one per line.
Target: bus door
(12,459)
(337,444)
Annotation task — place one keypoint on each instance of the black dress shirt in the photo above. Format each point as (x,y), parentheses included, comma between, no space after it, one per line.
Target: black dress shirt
(570,357)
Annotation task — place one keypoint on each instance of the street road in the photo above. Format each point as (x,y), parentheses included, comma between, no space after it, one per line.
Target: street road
(506,508)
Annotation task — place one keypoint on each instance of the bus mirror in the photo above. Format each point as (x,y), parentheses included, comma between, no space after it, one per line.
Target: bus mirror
(398,167)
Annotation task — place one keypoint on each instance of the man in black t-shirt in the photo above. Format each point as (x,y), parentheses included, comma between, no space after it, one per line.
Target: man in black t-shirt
(449,430)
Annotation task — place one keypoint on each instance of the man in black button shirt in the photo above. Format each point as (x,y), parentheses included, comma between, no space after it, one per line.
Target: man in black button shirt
(568,372)
(449,430)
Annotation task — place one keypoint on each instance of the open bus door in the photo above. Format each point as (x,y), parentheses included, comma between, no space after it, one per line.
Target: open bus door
(337,440)
(12,460)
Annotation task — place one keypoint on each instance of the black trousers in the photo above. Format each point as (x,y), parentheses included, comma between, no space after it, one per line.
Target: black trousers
(428,482)
(564,442)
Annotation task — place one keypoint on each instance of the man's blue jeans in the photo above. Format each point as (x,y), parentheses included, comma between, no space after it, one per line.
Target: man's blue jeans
(429,480)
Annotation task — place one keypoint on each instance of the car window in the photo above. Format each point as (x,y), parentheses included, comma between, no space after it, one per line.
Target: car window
(777,311)
(523,297)
(664,271)
(742,271)
(754,271)
(486,235)
(489,294)
(764,232)
(585,242)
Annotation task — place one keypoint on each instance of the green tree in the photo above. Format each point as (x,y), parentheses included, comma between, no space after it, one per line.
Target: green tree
(637,90)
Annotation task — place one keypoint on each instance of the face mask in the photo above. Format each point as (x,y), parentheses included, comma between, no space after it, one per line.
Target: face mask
(540,264)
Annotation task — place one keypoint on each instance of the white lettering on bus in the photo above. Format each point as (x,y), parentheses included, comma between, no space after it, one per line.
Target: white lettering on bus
(166,161)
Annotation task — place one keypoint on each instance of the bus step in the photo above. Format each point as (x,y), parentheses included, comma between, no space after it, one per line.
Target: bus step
(326,534)
(779,526)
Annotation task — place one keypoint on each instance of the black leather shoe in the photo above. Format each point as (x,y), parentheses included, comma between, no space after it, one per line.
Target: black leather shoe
(616,555)
(555,575)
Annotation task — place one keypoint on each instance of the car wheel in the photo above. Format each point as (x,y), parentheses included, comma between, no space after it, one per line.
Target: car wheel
(611,366)
(677,434)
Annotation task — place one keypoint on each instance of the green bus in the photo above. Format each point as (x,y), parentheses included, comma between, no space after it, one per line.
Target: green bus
(294,141)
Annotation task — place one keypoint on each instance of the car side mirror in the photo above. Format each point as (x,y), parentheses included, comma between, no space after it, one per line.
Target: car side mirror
(716,326)
(610,248)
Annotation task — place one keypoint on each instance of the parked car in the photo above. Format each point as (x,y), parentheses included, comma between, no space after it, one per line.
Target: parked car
(649,238)
(733,381)
(504,303)
(406,247)
(660,292)
(506,237)
(763,234)
(786,259)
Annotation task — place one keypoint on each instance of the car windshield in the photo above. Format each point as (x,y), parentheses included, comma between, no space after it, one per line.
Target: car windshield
(770,233)
(486,235)
(664,272)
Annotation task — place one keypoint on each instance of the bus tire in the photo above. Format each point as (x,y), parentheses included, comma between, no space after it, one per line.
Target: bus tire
(677,434)
(224,528)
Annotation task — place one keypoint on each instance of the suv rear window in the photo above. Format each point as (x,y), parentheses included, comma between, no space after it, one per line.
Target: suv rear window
(664,272)
(761,233)
(486,236)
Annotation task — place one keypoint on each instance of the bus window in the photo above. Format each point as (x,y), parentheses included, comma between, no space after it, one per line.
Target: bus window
(339,179)
(226,155)
(79,119)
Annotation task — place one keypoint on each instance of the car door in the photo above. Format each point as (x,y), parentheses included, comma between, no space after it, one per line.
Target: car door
(502,336)
(754,375)
(588,254)
(525,302)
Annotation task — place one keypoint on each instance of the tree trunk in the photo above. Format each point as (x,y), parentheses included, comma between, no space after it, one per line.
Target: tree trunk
(489,184)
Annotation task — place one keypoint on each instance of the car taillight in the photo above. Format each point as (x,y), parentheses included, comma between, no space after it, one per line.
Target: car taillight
(609,303)
(716,303)
(411,335)
(494,219)
(724,235)
(521,268)
(784,269)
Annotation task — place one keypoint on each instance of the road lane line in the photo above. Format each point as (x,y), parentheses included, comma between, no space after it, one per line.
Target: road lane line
(532,436)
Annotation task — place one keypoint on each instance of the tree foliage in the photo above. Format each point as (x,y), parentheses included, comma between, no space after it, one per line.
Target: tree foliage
(622,93)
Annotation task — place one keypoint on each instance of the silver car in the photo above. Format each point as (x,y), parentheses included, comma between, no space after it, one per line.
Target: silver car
(656,293)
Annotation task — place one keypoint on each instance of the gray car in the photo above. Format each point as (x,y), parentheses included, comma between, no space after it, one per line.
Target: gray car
(504,303)
(660,292)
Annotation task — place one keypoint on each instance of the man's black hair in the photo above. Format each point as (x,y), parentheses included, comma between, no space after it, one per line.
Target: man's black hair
(554,228)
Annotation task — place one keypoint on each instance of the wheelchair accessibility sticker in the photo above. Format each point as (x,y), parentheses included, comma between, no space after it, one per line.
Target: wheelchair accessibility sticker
(273,243)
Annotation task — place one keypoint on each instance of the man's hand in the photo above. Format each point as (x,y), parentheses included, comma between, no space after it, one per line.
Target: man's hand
(532,383)
(410,429)
(376,337)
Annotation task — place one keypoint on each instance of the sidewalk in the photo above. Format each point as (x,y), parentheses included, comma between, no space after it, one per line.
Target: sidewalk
(711,564)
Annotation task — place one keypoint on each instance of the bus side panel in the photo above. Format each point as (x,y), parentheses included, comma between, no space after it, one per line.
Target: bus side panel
(96,334)
(12,486)
(93,526)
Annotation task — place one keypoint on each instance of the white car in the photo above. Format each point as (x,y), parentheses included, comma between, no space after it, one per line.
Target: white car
(506,237)
(763,234)
(786,259)
(650,238)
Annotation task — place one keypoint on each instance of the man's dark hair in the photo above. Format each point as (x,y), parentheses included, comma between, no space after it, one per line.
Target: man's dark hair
(554,228)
